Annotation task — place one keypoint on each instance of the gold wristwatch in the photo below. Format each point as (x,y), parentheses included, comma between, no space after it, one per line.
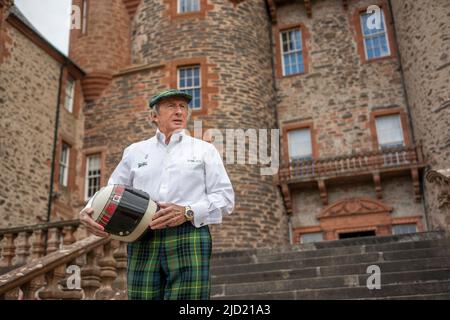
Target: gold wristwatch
(188,213)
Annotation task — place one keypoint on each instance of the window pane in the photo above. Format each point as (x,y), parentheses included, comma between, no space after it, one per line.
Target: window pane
(369,23)
(188,6)
(64,165)
(93,175)
(404,228)
(292,53)
(298,41)
(299,144)
(284,40)
(189,81)
(389,130)
(311,237)
(375,40)
(70,92)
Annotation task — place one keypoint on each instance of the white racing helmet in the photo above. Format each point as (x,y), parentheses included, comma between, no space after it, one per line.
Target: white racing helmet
(123,211)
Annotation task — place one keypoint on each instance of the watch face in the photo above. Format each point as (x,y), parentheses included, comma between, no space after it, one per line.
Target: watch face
(190,213)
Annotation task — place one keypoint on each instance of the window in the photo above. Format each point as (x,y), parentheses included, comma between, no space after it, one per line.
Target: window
(93,175)
(84,21)
(188,6)
(376,42)
(389,131)
(64,165)
(189,81)
(404,228)
(311,237)
(292,52)
(70,93)
(299,144)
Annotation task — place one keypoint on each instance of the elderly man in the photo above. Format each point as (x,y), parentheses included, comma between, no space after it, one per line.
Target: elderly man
(187,178)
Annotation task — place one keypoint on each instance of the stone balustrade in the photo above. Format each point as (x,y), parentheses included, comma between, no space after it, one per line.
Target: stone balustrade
(21,244)
(383,160)
(92,268)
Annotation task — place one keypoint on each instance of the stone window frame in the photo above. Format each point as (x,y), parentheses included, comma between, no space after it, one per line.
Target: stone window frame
(299,231)
(295,51)
(208,81)
(380,33)
(356,24)
(71,174)
(388,112)
(172,10)
(195,66)
(70,95)
(64,165)
(179,3)
(86,153)
(69,73)
(296,126)
(416,219)
(277,30)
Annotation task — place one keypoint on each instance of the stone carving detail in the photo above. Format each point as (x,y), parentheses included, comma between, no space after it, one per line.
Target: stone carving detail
(441,178)
(353,206)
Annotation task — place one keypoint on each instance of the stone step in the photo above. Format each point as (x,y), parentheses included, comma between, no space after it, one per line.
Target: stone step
(329,282)
(389,290)
(371,258)
(284,274)
(252,258)
(394,239)
(435,296)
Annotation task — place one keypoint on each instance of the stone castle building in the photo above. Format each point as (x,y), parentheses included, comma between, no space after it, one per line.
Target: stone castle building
(360,98)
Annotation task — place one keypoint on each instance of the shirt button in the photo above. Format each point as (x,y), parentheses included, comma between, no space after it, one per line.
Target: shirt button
(202,224)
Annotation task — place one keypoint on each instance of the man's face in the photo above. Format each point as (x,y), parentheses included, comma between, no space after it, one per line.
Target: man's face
(172,114)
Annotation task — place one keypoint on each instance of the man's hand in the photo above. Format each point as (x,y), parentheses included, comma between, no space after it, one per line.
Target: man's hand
(90,224)
(170,215)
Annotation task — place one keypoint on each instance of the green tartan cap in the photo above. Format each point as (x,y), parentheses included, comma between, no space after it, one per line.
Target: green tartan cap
(168,94)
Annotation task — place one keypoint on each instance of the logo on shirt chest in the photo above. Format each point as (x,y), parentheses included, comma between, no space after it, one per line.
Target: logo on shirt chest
(194,160)
(143,163)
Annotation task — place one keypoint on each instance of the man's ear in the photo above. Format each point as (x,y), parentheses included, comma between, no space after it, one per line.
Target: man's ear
(153,115)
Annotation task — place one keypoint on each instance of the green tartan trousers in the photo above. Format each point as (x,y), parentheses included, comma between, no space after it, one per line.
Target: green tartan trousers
(170,264)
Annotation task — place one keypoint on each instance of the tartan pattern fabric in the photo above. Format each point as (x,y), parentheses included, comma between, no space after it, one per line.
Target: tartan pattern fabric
(170,264)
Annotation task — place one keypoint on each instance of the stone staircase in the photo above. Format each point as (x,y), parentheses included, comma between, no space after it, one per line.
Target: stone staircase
(411,266)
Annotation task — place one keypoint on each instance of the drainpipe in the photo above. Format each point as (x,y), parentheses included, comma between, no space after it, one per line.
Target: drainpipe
(291,238)
(274,87)
(408,109)
(55,142)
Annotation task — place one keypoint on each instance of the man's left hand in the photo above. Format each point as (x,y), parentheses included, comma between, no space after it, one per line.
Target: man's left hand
(170,215)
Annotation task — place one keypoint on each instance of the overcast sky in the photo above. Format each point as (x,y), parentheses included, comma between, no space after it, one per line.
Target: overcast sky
(51,18)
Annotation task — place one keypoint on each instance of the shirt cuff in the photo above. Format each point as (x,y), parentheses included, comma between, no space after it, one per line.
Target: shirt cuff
(200,213)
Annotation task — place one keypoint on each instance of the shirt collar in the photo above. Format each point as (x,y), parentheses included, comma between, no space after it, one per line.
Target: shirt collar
(176,136)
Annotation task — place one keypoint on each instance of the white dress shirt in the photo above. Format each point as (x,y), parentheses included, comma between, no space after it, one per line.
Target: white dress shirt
(186,172)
